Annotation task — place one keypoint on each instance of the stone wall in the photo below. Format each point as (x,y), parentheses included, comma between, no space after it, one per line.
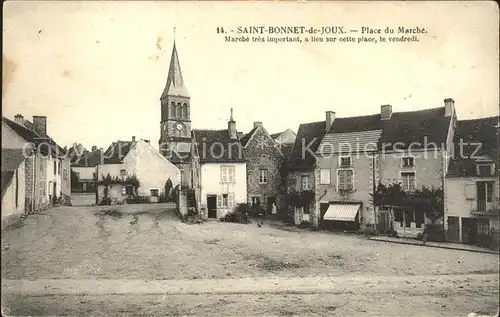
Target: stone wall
(261,153)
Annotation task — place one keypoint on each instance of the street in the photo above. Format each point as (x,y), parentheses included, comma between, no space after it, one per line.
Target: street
(141,260)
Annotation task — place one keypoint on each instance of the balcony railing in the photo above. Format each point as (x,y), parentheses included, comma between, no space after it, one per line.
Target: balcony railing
(486,212)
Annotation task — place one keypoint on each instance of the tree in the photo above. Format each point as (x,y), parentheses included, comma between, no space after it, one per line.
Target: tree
(168,190)
(75,180)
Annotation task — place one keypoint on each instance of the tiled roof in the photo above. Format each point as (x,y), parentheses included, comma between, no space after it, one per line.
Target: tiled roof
(419,128)
(215,146)
(117,151)
(90,159)
(469,134)
(33,137)
(275,135)
(244,139)
(307,133)
(364,141)
(356,124)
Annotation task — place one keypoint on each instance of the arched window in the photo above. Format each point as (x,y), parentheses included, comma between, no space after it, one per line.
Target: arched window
(179,110)
(172,109)
(185,111)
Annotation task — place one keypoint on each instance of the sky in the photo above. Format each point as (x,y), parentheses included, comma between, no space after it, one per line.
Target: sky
(97,69)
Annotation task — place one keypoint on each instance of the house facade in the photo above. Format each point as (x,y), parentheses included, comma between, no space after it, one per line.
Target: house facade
(301,165)
(13,186)
(265,183)
(85,169)
(472,188)
(345,172)
(222,174)
(124,160)
(47,168)
(285,137)
(414,151)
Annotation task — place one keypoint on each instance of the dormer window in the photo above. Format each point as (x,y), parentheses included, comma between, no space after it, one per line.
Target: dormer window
(485,169)
(408,162)
(345,161)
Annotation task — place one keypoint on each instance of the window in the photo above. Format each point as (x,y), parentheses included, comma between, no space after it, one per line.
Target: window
(304,182)
(324,176)
(487,169)
(227,174)
(123,172)
(345,161)
(55,167)
(408,161)
(225,200)
(470,191)
(59,168)
(408,181)
(263,176)
(185,111)
(485,191)
(345,180)
(179,110)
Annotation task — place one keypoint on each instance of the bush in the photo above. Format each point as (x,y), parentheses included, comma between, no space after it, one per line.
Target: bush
(137,200)
(192,217)
(392,233)
(239,215)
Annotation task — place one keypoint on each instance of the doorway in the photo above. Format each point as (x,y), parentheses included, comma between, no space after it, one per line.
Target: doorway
(469,231)
(270,203)
(212,206)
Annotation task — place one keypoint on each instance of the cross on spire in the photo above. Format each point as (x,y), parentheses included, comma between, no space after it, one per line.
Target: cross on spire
(174,32)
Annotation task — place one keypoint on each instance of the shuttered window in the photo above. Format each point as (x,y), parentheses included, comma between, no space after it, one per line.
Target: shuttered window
(470,191)
(227,174)
(324,176)
(346,179)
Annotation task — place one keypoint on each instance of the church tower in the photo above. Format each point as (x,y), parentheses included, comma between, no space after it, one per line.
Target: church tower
(175,124)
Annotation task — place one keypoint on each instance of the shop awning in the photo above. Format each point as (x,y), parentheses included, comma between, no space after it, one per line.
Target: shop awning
(342,212)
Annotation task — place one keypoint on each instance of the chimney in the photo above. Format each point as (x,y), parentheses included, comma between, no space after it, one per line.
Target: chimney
(19,119)
(449,107)
(133,139)
(231,127)
(257,124)
(385,112)
(94,148)
(40,125)
(330,117)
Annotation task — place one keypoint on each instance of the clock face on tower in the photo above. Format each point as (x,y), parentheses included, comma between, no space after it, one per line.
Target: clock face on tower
(179,126)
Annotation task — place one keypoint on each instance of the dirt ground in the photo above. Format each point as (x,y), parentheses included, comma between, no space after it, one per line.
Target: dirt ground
(148,242)
(88,242)
(443,304)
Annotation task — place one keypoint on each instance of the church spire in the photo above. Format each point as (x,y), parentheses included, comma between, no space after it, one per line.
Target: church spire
(175,85)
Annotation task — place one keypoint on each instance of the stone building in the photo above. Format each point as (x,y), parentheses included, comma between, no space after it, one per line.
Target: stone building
(265,183)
